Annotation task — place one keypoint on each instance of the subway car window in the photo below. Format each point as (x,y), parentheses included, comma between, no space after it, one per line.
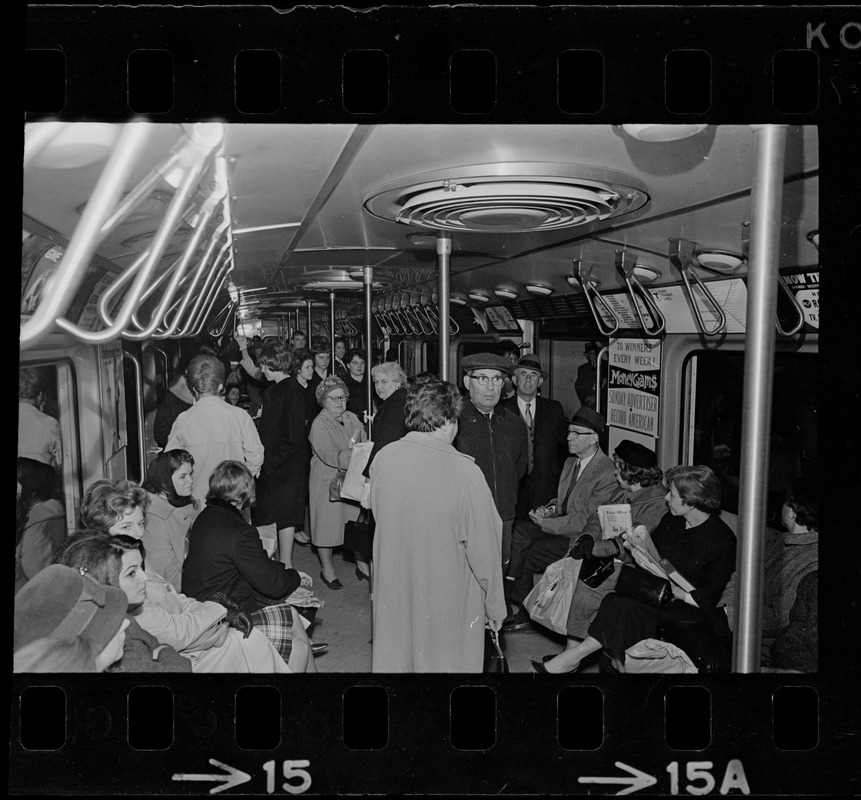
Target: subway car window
(718,420)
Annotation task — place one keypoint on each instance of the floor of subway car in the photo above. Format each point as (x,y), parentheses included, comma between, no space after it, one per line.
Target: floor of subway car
(345,621)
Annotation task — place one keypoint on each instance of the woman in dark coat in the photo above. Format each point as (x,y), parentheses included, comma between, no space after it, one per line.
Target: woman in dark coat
(283,428)
(227,562)
(697,543)
(357,384)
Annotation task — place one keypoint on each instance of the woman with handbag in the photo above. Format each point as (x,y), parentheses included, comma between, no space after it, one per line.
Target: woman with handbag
(438,576)
(333,434)
(641,487)
(700,546)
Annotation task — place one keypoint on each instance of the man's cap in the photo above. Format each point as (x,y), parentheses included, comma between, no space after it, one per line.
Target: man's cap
(486,361)
(635,454)
(61,603)
(531,361)
(588,418)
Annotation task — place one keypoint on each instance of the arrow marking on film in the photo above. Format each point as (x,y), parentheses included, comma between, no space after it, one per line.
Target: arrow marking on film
(638,780)
(234,777)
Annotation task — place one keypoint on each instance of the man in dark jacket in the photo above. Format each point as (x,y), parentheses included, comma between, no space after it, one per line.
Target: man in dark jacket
(545,422)
(494,436)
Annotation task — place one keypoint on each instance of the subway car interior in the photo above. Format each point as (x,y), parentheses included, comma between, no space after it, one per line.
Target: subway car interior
(687,254)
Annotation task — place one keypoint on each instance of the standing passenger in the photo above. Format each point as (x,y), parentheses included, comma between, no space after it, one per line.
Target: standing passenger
(339,367)
(357,384)
(38,432)
(494,436)
(436,546)
(212,430)
(283,432)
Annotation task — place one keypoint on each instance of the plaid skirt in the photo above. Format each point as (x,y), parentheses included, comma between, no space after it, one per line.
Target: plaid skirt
(276,622)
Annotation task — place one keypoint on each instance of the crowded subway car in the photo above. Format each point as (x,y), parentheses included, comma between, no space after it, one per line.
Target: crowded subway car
(651,291)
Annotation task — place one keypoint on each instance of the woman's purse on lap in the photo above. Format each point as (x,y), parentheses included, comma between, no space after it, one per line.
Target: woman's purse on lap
(595,570)
(643,586)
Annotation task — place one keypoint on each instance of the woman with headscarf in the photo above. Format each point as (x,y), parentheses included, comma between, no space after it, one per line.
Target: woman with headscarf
(172,509)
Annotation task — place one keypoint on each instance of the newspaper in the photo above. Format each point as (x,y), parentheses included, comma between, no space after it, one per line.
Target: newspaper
(646,555)
(615,519)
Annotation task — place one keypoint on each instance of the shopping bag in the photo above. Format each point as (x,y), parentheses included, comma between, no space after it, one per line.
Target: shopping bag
(550,599)
(269,537)
(652,655)
(354,481)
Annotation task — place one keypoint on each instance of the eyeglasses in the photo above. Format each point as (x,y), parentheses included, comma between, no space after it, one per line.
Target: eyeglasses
(481,380)
(572,432)
(337,398)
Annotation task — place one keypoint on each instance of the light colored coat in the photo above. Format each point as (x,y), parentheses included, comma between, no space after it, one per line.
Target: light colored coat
(180,621)
(436,558)
(331,449)
(166,529)
(213,431)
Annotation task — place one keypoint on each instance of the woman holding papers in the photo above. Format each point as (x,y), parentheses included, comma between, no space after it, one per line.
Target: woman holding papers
(695,546)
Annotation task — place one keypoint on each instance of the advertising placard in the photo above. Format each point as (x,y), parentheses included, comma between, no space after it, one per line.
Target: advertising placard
(634,383)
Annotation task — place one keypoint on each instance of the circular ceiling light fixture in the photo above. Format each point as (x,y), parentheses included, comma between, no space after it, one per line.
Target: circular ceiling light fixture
(539,289)
(506,292)
(457,299)
(662,133)
(74,144)
(721,261)
(646,274)
(813,237)
(574,283)
(508,197)
(478,296)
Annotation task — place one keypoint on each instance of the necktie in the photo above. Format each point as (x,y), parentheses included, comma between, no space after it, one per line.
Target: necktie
(574,475)
(529,421)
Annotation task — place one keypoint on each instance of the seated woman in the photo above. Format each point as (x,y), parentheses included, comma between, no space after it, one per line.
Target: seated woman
(698,544)
(226,555)
(67,622)
(789,556)
(640,486)
(45,527)
(209,636)
(115,506)
(172,509)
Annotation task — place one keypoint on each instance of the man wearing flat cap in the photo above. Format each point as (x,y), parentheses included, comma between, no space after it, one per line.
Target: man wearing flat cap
(547,428)
(494,436)
(587,481)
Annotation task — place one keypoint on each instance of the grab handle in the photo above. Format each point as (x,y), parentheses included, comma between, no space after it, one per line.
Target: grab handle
(583,274)
(681,257)
(626,264)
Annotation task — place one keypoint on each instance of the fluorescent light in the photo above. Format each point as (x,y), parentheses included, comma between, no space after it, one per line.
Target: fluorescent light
(267,227)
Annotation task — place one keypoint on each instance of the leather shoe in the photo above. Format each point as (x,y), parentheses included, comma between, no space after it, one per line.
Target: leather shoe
(319,647)
(538,668)
(361,575)
(333,584)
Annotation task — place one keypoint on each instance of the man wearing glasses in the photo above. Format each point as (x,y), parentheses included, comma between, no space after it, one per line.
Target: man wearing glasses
(494,436)
(587,481)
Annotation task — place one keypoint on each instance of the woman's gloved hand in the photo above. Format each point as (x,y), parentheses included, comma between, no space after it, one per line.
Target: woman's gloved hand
(236,618)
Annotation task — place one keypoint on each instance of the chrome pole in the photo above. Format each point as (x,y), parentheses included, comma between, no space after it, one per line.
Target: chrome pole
(443,250)
(332,331)
(367,280)
(308,332)
(762,277)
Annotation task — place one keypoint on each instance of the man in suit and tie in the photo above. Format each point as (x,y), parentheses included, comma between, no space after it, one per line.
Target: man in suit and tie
(545,421)
(587,481)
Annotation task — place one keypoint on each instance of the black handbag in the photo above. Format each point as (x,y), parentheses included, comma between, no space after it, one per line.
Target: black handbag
(644,586)
(594,571)
(359,534)
(495,661)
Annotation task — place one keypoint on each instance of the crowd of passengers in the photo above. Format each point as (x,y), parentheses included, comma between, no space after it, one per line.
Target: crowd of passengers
(474,491)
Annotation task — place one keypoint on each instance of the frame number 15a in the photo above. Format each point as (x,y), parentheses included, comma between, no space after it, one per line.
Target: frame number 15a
(701,780)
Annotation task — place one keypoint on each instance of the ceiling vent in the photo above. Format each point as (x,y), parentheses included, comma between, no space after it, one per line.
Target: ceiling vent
(512,197)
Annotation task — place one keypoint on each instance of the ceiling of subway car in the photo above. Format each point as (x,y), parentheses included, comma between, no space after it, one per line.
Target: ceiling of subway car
(536,197)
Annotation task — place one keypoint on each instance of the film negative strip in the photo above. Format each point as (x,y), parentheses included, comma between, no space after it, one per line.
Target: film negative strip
(343,733)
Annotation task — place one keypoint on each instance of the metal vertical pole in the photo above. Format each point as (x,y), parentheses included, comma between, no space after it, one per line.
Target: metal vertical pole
(332,331)
(308,332)
(367,281)
(443,250)
(762,277)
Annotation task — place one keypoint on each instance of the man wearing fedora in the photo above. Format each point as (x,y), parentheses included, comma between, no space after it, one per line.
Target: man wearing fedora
(587,375)
(587,481)
(494,436)
(545,422)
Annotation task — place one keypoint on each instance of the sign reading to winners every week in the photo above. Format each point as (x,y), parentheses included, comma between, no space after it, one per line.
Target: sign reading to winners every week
(634,383)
